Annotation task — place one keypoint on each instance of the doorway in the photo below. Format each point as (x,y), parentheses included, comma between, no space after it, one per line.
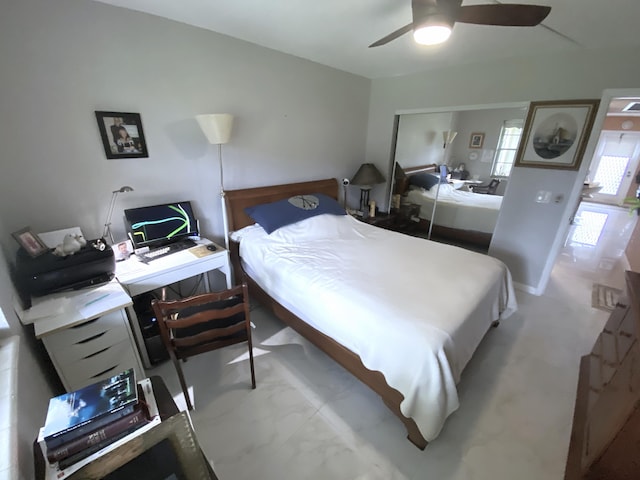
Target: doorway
(614,165)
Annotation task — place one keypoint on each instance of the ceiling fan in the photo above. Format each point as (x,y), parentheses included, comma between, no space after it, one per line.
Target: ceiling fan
(434,19)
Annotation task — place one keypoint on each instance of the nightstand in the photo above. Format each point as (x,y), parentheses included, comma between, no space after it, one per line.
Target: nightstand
(404,220)
(383,220)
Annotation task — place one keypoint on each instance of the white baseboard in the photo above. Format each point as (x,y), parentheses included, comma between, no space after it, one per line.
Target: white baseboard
(528,289)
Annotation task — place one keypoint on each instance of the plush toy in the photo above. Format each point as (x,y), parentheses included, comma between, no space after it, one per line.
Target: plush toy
(70,245)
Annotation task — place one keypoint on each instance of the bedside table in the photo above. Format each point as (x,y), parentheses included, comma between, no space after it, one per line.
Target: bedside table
(397,220)
(383,220)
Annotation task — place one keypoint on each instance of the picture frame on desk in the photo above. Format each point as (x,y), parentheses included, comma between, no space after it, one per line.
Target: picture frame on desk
(30,242)
(122,250)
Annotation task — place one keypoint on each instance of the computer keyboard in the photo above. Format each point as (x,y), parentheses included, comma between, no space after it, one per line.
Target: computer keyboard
(166,250)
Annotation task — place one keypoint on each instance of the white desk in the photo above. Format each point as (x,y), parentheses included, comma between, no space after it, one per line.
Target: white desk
(137,277)
(85,332)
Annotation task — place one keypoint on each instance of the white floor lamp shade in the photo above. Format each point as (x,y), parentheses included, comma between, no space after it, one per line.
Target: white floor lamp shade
(217,128)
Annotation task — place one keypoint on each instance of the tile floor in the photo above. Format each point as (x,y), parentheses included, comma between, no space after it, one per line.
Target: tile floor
(309,419)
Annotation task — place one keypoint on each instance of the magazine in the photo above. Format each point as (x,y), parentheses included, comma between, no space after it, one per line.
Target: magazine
(72,410)
(53,470)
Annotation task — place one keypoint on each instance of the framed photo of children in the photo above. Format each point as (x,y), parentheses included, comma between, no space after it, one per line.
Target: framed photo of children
(555,134)
(476,140)
(122,135)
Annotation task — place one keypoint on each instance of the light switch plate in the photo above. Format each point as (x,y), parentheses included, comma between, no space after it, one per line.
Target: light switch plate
(543,196)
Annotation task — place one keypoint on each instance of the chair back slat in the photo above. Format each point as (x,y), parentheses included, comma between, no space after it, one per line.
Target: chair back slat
(203,298)
(210,335)
(204,316)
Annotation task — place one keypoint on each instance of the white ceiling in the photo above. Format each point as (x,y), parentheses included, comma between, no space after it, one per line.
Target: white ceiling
(337,32)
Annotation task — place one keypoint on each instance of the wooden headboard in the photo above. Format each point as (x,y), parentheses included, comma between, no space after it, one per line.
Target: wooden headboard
(402,184)
(238,200)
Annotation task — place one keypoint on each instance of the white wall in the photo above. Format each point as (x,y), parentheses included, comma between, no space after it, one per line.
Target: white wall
(34,388)
(420,138)
(523,230)
(295,119)
(489,122)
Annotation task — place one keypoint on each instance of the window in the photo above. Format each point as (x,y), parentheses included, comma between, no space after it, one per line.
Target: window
(507,148)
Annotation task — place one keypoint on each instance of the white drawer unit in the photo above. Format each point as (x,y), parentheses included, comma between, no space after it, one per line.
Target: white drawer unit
(86,338)
(87,334)
(93,350)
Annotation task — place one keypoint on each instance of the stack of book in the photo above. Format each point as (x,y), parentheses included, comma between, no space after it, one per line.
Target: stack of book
(81,425)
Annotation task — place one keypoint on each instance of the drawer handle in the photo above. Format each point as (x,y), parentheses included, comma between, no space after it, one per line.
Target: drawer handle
(86,323)
(97,353)
(625,334)
(90,338)
(105,371)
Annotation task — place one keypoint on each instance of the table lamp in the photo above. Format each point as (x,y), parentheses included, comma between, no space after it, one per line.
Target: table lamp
(107,223)
(366,177)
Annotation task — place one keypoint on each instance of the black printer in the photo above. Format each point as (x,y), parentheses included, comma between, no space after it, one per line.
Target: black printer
(48,273)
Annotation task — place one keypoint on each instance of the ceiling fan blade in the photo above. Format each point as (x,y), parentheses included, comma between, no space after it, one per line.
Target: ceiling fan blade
(506,15)
(393,36)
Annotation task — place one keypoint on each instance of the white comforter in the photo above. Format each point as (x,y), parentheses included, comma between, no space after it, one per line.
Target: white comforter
(458,209)
(413,309)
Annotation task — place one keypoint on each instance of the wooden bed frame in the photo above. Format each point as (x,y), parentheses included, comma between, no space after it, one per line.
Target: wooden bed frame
(481,239)
(236,202)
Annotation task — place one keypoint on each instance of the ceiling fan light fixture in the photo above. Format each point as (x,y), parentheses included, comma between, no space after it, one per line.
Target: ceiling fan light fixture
(432,34)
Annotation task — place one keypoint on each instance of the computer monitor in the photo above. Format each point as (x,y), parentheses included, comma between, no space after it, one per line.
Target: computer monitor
(159,225)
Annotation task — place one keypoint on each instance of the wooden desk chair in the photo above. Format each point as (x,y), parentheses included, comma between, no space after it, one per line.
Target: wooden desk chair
(202,323)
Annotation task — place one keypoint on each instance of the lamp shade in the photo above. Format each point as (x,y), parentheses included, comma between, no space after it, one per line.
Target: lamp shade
(448,136)
(367,175)
(216,127)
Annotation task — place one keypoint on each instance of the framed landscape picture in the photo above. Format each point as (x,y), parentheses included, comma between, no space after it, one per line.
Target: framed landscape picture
(555,134)
(122,135)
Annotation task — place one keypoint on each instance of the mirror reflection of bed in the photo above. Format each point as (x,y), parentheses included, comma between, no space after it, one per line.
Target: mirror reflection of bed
(460,214)
(487,139)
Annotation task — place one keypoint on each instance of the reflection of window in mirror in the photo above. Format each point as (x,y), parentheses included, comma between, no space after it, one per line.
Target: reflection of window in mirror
(507,147)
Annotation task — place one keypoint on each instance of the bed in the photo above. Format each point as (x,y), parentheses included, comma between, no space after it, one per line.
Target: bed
(458,209)
(319,277)
(460,214)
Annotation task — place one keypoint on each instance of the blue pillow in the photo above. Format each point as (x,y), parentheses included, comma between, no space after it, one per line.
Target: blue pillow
(424,180)
(272,216)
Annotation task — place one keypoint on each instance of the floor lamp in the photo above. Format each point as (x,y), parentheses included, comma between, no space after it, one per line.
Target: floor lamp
(217,129)
(447,137)
(107,224)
